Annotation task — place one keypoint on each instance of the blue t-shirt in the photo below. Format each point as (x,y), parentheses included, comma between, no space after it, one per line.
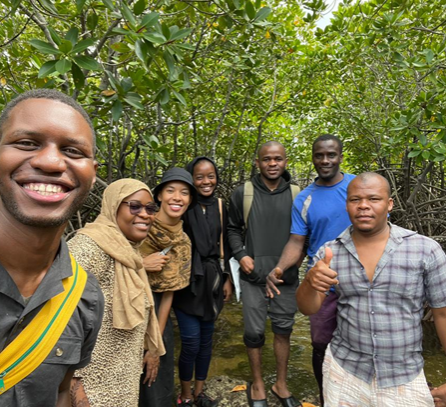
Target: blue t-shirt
(319,211)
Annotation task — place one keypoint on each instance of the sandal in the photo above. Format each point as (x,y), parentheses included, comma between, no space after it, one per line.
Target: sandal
(203,400)
(288,401)
(255,403)
(184,402)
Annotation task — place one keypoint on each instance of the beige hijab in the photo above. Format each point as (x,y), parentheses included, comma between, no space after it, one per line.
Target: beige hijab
(131,283)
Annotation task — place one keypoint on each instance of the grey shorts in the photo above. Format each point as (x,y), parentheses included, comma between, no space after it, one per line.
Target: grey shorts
(257,307)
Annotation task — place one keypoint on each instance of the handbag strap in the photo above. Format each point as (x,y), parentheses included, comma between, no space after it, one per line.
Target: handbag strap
(220,209)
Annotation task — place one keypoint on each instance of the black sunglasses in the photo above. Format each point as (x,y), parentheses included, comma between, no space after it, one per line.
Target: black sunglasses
(136,208)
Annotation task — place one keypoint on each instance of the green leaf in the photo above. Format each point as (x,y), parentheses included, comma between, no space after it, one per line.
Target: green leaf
(116,110)
(14,3)
(48,68)
(135,102)
(186,80)
(439,158)
(66,46)
(54,35)
(63,66)
(250,11)
(139,7)
(113,82)
(180,98)
(78,76)
(414,153)
(72,35)
(164,96)
(82,45)
(121,31)
(120,47)
(186,46)
(128,15)
(92,21)
(109,4)
(262,14)
(80,5)
(127,84)
(429,56)
(184,32)
(170,61)
(425,155)
(48,5)
(44,47)
(150,20)
(86,62)
(141,50)
(166,30)
(155,38)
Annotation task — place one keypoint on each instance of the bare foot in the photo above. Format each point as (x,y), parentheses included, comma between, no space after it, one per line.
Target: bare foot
(258,391)
(281,391)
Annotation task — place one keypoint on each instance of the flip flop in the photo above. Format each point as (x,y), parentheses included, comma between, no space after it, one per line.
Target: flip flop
(288,401)
(254,403)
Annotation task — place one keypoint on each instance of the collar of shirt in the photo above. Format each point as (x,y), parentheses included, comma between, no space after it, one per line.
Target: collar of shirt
(397,234)
(50,286)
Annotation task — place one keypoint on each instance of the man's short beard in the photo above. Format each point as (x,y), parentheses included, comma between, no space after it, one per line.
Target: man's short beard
(328,178)
(43,222)
(273,178)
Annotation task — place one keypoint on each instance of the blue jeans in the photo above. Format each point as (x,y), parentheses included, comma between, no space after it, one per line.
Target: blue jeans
(196,346)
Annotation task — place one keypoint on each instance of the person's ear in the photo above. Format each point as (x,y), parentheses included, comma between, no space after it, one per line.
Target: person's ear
(391,204)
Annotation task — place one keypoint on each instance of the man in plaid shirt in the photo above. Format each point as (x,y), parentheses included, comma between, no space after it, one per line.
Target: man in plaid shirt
(382,274)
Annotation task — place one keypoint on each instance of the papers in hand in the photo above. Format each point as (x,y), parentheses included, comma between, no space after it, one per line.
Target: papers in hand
(235,272)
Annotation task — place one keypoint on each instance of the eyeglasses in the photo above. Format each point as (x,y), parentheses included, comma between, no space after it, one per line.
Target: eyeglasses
(136,208)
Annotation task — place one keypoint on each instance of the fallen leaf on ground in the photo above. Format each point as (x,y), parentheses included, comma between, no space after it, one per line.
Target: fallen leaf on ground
(239,388)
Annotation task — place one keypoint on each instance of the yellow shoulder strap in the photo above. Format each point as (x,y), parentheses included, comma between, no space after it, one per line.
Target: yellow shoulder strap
(28,350)
(248,196)
(295,190)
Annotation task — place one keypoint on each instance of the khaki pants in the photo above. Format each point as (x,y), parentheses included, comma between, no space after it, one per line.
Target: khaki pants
(342,389)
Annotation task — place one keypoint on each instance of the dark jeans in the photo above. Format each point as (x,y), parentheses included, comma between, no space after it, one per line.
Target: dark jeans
(161,393)
(196,346)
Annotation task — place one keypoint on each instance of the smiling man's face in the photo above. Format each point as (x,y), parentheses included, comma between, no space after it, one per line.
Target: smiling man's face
(47,165)
(327,158)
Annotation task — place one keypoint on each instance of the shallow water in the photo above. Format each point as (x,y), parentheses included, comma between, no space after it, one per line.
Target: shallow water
(229,355)
(230,359)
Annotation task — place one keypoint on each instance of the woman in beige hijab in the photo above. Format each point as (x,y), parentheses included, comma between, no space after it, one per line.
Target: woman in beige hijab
(108,248)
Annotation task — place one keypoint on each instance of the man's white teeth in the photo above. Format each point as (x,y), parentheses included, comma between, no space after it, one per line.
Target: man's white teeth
(44,189)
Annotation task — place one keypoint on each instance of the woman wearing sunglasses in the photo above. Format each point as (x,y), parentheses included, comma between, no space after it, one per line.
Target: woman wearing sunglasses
(167,259)
(108,248)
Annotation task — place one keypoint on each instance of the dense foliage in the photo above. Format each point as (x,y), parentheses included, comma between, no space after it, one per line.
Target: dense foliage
(167,80)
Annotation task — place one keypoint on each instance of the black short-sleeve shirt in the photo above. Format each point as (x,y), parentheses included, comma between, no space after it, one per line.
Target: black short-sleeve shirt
(74,347)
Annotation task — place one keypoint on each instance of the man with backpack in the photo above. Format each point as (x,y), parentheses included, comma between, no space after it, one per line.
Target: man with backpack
(319,215)
(258,230)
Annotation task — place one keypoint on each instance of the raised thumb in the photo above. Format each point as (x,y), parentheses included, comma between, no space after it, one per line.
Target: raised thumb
(328,256)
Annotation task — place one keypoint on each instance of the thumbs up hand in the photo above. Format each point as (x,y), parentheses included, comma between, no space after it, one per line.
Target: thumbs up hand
(320,276)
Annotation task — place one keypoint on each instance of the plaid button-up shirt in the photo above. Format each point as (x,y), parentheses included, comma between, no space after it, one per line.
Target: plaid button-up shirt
(379,323)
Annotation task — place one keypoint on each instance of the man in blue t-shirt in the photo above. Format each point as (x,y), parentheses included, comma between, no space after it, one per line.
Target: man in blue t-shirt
(319,215)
